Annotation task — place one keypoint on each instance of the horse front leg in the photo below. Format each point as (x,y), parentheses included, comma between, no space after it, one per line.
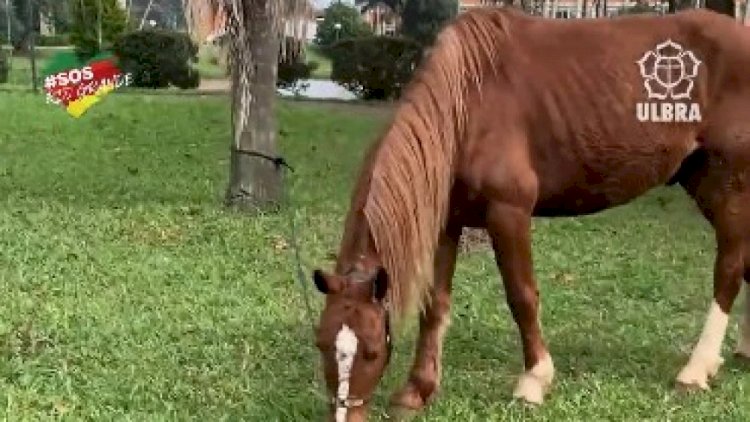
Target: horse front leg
(510,230)
(424,377)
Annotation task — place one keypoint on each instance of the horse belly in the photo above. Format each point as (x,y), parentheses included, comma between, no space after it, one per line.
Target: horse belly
(577,188)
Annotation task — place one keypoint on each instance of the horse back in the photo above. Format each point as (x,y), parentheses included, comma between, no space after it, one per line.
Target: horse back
(563,109)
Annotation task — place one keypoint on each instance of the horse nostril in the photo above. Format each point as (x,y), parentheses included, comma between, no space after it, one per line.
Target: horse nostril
(371,354)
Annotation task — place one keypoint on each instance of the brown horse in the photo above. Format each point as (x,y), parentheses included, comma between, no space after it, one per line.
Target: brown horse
(511,117)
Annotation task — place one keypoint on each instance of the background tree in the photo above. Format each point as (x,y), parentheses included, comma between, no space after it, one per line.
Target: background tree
(423,19)
(85,25)
(396,5)
(638,9)
(166,13)
(20,23)
(340,22)
(17,25)
(725,7)
(254,33)
(57,12)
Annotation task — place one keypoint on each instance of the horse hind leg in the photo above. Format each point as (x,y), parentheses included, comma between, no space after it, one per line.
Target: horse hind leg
(706,359)
(742,349)
(424,377)
(722,190)
(509,227)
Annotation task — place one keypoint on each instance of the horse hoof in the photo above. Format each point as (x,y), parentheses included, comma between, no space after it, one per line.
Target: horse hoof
(692,386)
(691,380)
(410,397)
(530,390)
(533,384)
(696,374)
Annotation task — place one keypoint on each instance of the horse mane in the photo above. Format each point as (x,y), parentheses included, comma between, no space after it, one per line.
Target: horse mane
(403,191)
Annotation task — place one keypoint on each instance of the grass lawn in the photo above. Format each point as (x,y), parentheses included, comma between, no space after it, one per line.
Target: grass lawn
(20,72)
(323,70)
(130,294)
(208,64)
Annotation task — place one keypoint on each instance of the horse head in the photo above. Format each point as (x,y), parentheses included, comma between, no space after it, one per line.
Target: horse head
(353,338)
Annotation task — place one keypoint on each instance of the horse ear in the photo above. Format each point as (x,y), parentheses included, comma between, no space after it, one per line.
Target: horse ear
(326,283)
(380,284)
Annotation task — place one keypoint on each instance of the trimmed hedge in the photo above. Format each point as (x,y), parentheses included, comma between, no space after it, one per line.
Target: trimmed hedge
(374,67)
(60,40)
(158,58)
(638,9)
(290,72)
(4,68)
(292,66)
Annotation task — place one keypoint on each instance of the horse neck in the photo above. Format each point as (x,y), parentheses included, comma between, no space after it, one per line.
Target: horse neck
(357,247)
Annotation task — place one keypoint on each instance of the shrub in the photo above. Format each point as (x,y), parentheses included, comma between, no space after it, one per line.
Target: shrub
(374,67)
(158,58)
(638,9)
(351,25)
(423,19)
(291,72)
(84,32)
(292,66)
(4,68)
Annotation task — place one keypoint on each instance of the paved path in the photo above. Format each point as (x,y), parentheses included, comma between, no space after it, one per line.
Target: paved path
(318,89)
(222,85)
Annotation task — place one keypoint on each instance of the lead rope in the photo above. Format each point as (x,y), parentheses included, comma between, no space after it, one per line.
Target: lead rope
(280,163)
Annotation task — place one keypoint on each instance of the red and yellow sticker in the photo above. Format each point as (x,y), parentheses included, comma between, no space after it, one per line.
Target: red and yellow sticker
(80,88)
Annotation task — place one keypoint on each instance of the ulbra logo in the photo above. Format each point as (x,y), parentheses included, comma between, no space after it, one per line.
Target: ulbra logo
(668,73)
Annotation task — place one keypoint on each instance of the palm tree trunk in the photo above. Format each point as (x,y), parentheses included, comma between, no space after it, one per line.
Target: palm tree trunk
(585,8)
(747,13)
(254,181)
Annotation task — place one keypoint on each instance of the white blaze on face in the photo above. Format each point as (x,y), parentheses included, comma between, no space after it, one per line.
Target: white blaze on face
(346,348)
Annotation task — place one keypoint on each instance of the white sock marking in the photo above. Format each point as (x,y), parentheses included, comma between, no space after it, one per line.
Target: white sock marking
(706,357)
(533,383)
(346,348)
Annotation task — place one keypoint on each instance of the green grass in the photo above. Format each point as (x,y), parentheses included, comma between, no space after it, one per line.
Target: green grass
(208,64)
(130,294)
(20,71)
(314,54)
